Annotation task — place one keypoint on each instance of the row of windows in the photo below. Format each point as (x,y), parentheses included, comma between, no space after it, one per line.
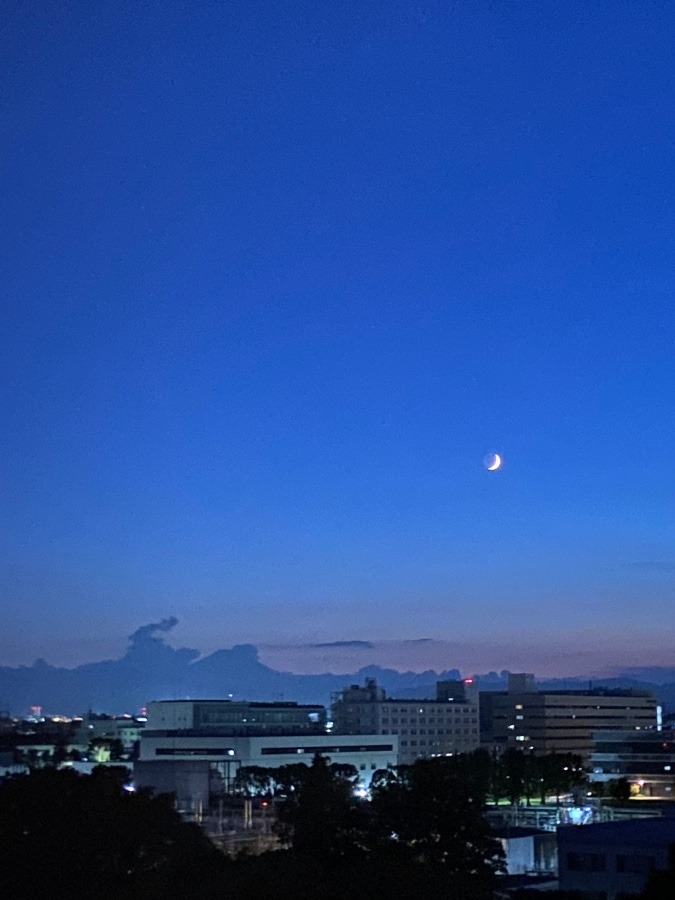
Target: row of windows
(605,717)
(448,731)
(423,721)
(411,709)
(424,743)
(372,748)
(634,863)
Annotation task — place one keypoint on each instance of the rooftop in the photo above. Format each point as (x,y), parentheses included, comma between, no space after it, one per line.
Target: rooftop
(280,704)
(646,832)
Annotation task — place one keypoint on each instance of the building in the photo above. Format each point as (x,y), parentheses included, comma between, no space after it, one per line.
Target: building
(441,727)
(645,758)
(560,721)
(528,851)
(194,748)
(235,717)
(209,764)
(613,860)
(98,726)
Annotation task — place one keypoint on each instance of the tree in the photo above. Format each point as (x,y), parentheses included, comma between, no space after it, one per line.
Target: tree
(345,771)
(322,818)
(619,790)
(107,841)
(560,774)
(102,749)
(513,764)
(254,781)
(434,820)
(290,778)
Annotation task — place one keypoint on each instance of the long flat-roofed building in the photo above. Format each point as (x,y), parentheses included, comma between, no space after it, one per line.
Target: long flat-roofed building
(646,759)
(194,748)
(239,717)
(560,721)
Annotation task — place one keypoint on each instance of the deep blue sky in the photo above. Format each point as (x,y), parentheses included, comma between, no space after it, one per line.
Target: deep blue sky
(276,276)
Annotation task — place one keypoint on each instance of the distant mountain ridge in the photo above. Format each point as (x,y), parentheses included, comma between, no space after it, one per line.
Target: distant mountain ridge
(150,669)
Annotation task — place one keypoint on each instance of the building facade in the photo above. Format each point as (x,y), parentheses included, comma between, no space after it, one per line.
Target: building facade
(560,721)
(424,728)
(194,748)
(645,758)
(237,717)
(613,860)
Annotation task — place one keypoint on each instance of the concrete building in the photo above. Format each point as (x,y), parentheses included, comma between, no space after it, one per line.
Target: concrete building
(560,721)
(449,724)
(93,726)
(235,717)
(645,758)
(613,860)
(209,764)
(194,748)
(528,851)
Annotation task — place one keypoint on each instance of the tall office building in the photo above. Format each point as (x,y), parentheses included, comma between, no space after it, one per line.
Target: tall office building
(441,727)
(560,721)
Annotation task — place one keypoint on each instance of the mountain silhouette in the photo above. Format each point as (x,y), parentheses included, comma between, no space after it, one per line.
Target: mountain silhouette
(152,670)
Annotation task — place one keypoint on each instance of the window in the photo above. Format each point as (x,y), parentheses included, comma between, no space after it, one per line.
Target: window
(586,862)
(635,863)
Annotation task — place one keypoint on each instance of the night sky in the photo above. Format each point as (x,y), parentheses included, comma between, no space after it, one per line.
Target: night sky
(277,275)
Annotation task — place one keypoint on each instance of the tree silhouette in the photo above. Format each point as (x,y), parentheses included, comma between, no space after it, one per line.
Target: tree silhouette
(431,816)
(58,825)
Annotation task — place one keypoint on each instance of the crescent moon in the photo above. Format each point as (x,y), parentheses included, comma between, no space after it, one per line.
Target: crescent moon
(496,463)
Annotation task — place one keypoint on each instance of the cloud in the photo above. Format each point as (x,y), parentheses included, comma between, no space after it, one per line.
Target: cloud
(364,645)
(146,632)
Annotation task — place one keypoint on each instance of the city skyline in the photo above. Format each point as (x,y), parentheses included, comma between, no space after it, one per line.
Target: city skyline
(277,278)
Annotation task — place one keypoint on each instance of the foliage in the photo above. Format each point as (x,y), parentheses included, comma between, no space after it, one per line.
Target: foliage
(432,817)
(422,823)
(283,875)
(323,818)
(59,825)
(254,780)
(102,749)
(619,790)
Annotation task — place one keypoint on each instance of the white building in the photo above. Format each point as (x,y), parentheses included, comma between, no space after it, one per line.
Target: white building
(195,748)
(424,728)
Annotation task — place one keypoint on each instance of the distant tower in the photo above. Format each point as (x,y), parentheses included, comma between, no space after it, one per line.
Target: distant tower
(521,683)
